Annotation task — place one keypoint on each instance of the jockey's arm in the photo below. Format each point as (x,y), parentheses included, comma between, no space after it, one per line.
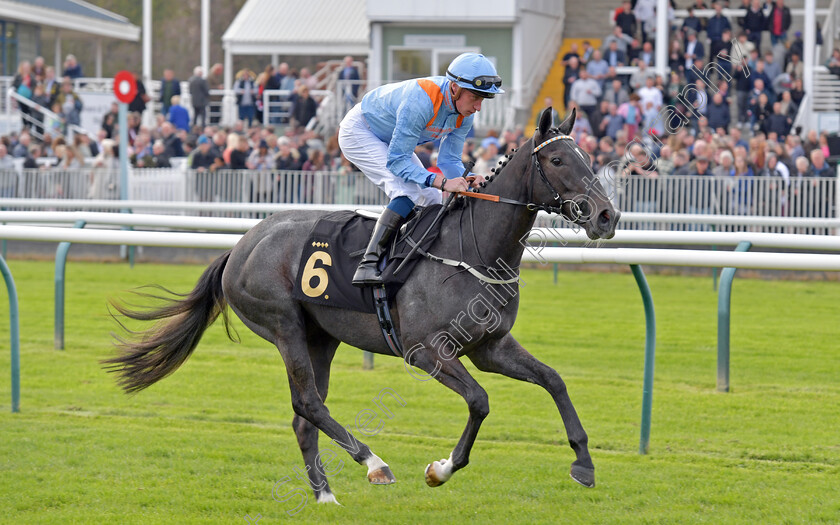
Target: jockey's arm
(409,125)
(451,147)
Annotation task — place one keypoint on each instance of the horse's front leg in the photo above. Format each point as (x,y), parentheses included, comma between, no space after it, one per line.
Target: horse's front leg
(507,357)
(451,373)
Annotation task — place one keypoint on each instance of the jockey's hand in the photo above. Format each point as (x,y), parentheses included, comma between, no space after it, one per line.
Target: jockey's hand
(455,185)
(476,180)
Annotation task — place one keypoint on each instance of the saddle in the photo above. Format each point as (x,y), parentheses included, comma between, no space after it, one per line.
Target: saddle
(335,246)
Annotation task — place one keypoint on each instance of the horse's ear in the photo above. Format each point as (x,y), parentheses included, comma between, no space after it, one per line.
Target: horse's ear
(569,123)
(545,121)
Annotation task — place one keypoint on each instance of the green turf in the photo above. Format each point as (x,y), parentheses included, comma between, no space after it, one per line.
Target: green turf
(209,443)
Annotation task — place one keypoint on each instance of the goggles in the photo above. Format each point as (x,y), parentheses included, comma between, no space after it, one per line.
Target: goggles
(482,82)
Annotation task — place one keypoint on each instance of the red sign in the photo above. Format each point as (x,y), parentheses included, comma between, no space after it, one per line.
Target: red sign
(125,86)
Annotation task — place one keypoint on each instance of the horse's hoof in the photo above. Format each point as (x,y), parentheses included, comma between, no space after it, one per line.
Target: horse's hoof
(438,473)
(381,476)
(583,475)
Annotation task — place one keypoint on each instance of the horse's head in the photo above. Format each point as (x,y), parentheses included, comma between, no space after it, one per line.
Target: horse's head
(566,180)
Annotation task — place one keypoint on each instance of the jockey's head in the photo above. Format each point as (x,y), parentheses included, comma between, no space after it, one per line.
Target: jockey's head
(474,78)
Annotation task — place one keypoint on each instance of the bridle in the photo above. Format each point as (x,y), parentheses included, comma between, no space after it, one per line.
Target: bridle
(557,199)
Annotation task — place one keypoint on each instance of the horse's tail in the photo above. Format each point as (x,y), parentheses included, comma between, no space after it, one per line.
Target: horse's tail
(147,356)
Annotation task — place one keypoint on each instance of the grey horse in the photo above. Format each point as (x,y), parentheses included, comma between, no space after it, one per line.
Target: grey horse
(257,276)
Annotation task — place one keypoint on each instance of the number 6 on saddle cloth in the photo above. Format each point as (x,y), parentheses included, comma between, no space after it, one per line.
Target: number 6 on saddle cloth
(334,248)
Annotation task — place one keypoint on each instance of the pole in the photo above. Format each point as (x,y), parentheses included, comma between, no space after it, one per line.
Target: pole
(205,36)
(650,353)
(60,265)
(661,62)
(14,333)
(809,59)
(724,301)
(147,49)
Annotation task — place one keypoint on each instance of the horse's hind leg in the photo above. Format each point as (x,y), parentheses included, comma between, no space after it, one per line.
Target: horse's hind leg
(321,351)
(507,357)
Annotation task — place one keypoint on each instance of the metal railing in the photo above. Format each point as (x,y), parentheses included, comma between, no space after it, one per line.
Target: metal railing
(807,197)
(813,197)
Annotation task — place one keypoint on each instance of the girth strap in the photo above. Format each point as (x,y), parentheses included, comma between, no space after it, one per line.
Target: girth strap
(386,323)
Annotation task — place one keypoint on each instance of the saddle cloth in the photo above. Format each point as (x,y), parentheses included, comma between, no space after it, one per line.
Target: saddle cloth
(334,248)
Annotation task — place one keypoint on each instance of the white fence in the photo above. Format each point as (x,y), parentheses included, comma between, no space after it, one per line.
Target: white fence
(806,197)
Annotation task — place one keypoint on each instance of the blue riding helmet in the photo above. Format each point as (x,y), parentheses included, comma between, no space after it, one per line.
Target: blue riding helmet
(474,72)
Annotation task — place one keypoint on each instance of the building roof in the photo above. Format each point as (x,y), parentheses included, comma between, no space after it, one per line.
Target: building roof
(72,15)
(295,27)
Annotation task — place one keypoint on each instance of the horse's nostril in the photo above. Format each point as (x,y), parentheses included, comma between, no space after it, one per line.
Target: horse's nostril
(605,217)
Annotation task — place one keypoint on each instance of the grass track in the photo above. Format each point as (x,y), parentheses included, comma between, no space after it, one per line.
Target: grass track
(209,443)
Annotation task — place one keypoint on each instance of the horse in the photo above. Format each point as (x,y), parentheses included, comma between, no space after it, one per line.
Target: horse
(256,278)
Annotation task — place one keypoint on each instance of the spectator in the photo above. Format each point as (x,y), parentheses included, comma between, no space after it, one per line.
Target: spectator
(240,154)
(138,103)
(693,49)
(315,162)
(39,69)
(261,158)
(650,94)
(726,168)
(104,183)
(778,22)
(199,95)
(585,92)
(754,23)
(21,149)
(570,75)
(348,79)
(776,168)
(616,93)
(169,87)
(170,140)
(676,58)
(719,113)
(587,52)
(573,52)
(795,67)
(70,102)
(31,161)
(645,11)
(142,151)
(597,68)
(691,23)
(771,68)
(647,55)
(304,108)
(72,68)
(287,158)
(717,24)
(159,158)
(204,158)
(722,47)
(639,78)
(178,114)
(246,95)
(632,115)
(778,122)
(626,20)
(24,85)
(819,167)
(621,40)
(307,79)
(51,86)
(285,80)
(832,63)
(613,56)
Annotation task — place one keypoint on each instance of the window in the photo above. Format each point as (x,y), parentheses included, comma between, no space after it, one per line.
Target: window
(407,62)
(8,48)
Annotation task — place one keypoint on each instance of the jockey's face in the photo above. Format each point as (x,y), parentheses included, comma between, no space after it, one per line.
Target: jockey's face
(466,102)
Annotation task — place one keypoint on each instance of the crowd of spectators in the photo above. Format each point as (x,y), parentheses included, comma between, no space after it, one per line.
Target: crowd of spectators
(731,123)
(734,90)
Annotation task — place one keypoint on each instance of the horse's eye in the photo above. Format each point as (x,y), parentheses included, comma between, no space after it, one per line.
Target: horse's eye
(556,161)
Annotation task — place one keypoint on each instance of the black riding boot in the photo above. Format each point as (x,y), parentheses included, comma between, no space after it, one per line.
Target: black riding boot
(367,274)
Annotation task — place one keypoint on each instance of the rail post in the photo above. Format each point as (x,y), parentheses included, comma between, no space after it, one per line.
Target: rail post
(14,333)
(60,265)
(724,301)
(650,351)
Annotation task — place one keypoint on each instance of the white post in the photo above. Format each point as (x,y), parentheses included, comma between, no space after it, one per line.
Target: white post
(147,56)
(98,58)
(275,60)
(228,100)
(516,70)
(374,78)
(661,62)
(808,61)
(205,35)
(58,62)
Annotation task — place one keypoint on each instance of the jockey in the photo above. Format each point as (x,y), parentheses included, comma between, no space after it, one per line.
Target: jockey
(380,133)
